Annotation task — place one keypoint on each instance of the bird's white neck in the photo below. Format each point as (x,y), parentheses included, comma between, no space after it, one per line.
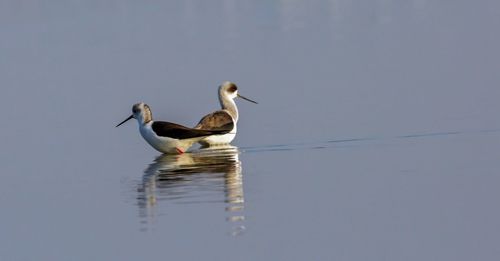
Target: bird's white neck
(145,117)
(227,103)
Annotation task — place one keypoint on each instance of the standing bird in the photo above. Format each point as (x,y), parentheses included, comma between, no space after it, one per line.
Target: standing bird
(166,137)
(225,119)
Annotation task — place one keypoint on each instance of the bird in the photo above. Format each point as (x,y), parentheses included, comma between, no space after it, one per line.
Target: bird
(225,119)
(166,137)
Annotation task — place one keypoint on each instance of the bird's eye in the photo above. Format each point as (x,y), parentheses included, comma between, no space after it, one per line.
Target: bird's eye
(232,89)
(135,110)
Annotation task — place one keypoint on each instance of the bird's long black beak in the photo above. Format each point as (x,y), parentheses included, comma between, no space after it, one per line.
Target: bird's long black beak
(245,98)
(130,117)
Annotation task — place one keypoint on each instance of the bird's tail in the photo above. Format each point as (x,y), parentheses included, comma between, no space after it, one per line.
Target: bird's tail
(217,131)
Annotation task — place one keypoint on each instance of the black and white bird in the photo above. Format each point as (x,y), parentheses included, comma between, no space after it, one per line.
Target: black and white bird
(167,137)
(225,119)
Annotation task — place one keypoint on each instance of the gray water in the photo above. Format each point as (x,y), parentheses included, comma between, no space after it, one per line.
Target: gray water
(376,136)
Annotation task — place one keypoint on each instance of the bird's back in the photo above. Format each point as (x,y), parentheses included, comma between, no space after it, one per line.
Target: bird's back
(177,131)
(219,121)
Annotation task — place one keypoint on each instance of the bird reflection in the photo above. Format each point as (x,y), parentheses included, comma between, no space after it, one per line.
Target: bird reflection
(197,177)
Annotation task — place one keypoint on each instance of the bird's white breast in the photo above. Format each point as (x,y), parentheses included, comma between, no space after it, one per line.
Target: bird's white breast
(164,144)
(219,139)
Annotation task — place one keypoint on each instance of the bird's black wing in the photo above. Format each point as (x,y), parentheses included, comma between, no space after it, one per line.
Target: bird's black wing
(176,131)
(219,120)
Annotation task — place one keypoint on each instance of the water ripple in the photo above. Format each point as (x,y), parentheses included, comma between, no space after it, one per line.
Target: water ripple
(335,142)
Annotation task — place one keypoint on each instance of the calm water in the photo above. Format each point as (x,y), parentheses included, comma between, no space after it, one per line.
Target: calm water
(376,136)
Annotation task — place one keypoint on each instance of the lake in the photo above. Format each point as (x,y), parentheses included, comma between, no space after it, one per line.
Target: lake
(376,136)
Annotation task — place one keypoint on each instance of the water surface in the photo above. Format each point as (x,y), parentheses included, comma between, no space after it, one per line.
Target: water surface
(376,136)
